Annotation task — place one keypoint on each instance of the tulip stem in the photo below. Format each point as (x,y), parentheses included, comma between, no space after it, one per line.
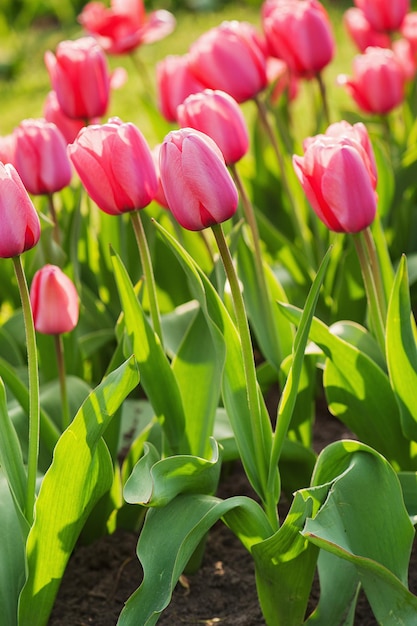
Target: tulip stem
(146,261)
(34,401)
(247,348)
(59,349)
(260,274)
(51,205)
(375,297)
(299,223)
(323,95)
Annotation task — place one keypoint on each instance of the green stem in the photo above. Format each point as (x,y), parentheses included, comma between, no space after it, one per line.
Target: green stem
(34,401)
(374,306)
(51,205)
(146,261)
(247,349)
(323,95)
(376,272)
(260,274)
(59,349)
(299,223)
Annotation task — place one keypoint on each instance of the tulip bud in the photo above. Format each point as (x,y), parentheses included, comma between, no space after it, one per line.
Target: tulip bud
(175,82)
(115,165)
(338,179)
(299,32)
(80,77)
(384,15)
(54,301)
(362,33)
(230,57)
(20,227)
(53,113)
(41,157)
(378,82)
(197,185)
(219,116)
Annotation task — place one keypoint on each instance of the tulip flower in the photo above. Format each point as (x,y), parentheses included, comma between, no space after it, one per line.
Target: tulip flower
(20,227)
(7,148)
(281,80)
(175,81)
(219,116)
(409,30)
(299,32)
(230,57)
(362,33)
(384,15)
(197,185)
(339,179)
(115,165)
(125,26)
(54,301)
(378,81)
(41,157)
(68,126)
(80,77)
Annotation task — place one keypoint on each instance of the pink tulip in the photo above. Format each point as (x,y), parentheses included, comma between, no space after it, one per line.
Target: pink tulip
(281,80)
(115,165)
(384,15)
(80,77)
(299,32)
(54,301)
(7,148)
(125,26)
(378,81)
(175,82)
(338,177)
(362,33)
(197,185)
(409,30)
(219,116)
(41,157)
(20,227)
(160,195)
(230,57)
(406,57)
(53,113)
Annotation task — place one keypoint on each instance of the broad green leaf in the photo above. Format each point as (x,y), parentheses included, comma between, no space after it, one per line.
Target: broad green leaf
(408,481)
(155,481)
(12,555)
(402,350)
(11,459)
(168,539)
(81,472)
(359,392)
(175,324)
(198,369)
(364,521)
(157,377)
(275,338)
(234,382)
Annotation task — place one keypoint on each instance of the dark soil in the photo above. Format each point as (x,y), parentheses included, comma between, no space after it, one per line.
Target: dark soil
(100,577)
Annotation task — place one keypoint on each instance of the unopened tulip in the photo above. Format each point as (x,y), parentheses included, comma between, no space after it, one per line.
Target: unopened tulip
(409,30)
(299,32)
(115,165)
(54,301)
(41,157)
(384,15)
(362,33)
(197,185)
(20,228)
(53,113)
(80,77)
(338,180)
(230,57)
(125,25)
(378,81)
(219,116)
(406,57)
(160,195)
(175,81)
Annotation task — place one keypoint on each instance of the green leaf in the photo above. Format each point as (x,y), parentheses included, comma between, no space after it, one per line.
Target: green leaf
(155,370)
(12,555)
(402,350)
(364,521)
(359,392)
(168,539)
(155,481)
(234,382)
(81,472)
